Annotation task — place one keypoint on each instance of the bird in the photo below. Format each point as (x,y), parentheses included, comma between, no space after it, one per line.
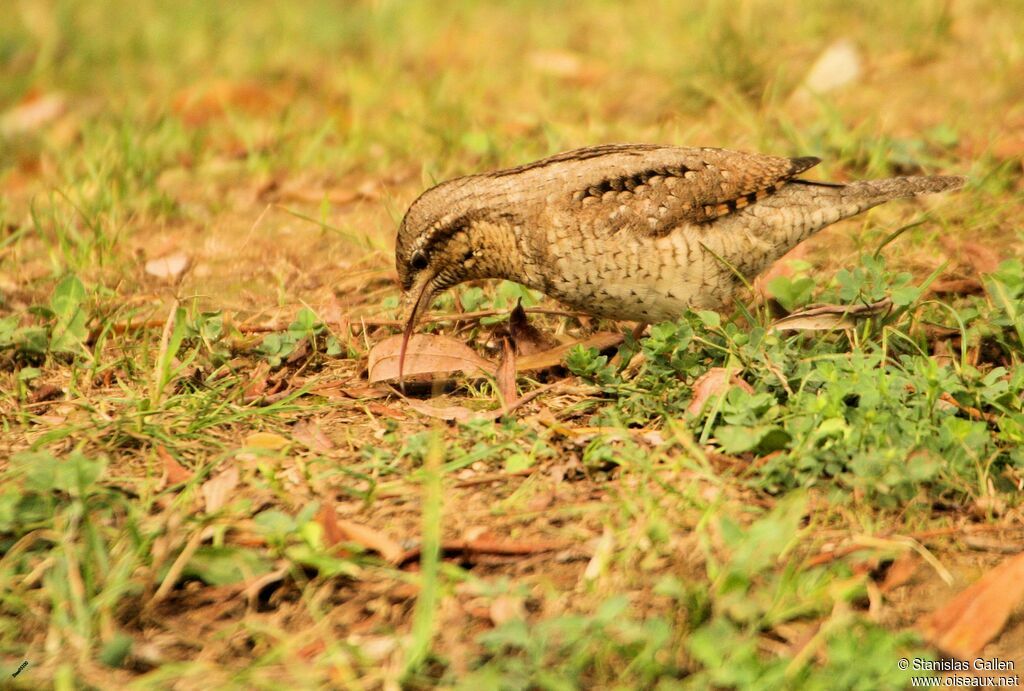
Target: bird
(637,232)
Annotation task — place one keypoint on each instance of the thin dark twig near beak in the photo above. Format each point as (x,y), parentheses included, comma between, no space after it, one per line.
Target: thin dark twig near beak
(414,314)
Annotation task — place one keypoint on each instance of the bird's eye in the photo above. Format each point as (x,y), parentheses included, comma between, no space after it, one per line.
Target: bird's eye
(418,261)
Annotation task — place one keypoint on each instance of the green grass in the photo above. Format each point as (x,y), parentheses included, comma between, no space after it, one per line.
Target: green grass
(278,147)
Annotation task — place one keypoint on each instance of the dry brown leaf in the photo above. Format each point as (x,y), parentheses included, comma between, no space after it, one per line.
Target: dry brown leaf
(46,392)
(385,411)
(327,518)
(488,545)
(430,354)
(427,354)
(982,259)
(370,538)
(338,392)
(198,104)
(311,650)
(455,413)
(783,267)
(169,266)
(176,473)
(957,286)
(266,440)
(830,317)
(558,63)
(602,340)
(308,433)
(368,190)
(217,489)
(837,66)
(900,572)
(505,378)
(716,380)
(505,608)
(963,626)
(32,113)
(257,382)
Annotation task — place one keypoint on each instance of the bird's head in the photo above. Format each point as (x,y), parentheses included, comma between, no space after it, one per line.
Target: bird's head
(458,231)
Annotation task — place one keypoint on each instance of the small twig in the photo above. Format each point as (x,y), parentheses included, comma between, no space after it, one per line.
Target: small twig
(506,548)
(495,477)
(971,412)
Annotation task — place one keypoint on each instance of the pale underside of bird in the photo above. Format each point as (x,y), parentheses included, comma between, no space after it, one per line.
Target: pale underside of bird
(626,231)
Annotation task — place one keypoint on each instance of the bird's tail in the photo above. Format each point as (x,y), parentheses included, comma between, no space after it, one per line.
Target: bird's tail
(861,196)
(803,207)
(894,188)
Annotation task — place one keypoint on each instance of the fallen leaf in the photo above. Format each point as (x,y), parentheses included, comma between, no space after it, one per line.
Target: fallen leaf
(169,266)
(430,354)
(257,382)
(217,489)
(837,66)
(308,433)
(386,411)
(557,63)
(544,500)
(505,378)
(427,354)
(359,393)
(455,413)
(603,550)
(32,113)
(781,268)
(370,538)
(266,440)
(957,286)
(900,572)
(368,190)
(176,473)
(311,650)
(506,608)
(300,352)
(198,104)
(716,380)
(46,392)
(487,545)
(963,626)
(327,518)
(980,258)
(602,340)
(830,317)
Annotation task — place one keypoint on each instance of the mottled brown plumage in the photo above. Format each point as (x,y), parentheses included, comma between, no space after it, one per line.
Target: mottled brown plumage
(627,231)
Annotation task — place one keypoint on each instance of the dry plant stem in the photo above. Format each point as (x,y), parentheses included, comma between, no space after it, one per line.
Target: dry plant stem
(179,565)
(488,546)
(840,552)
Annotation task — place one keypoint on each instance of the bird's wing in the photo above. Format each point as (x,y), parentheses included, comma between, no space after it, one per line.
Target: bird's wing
(651,190)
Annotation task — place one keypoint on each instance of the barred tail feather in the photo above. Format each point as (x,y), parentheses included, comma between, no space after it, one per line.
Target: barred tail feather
(879,191)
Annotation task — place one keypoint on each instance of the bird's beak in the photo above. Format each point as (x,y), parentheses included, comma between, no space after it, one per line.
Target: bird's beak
(415,301)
